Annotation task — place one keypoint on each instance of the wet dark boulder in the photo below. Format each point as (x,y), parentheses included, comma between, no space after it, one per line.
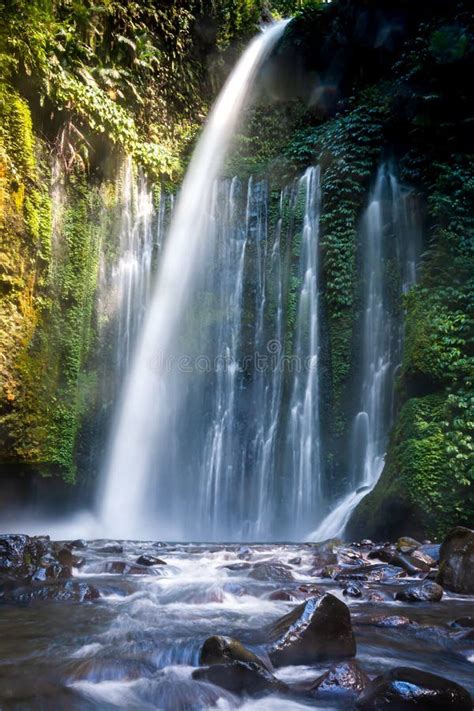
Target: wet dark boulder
(149,560)
(410,564)
(318,629)
(295,561)
(221,650)
(456,569)
(345,676)
(353,589)
(348,556)
(68,591)
(383,553)
(427,591)
(241,678)
(270,571)
(405,688)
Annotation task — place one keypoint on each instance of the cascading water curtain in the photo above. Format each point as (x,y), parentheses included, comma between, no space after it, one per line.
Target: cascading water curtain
(260,467)
(390,236)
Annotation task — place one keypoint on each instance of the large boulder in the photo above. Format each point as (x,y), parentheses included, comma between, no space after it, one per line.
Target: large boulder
(345,676)
(318,629)
(221,650)
(427,591)
(456,570)
(404,688)
(240,678)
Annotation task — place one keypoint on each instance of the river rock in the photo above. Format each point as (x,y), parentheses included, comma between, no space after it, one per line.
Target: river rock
(221,650)
(405,544)
(325,553)
(383,553)
(410,564)
(149,560)
(240,678)
(69,591)
(271,571)
(352,589)
(456,570)
(424,558)
(431,550)
(318,629)
(405,688)
(427,591)
(345,676)
(370,573)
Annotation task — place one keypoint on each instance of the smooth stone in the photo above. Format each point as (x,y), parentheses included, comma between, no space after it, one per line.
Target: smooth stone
(345,676)
(405,688)
(427,591)
(424,558)
(221,650)
(390,621)
(405,544)
(149,560)
(271,571)
(456,569)
(240,678)
(318,629)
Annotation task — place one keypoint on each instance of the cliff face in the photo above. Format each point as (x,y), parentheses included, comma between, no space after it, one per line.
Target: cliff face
(353,83)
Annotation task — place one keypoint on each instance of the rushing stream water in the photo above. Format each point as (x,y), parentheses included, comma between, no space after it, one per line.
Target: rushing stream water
(137,645)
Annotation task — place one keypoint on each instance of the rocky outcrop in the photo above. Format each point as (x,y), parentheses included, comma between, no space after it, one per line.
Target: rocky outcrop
(24,559)
(404,688)
(456,570)
(318,629)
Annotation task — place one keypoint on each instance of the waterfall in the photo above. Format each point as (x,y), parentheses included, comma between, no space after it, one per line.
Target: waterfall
(389,235)
(235,411)
(304,439)
(152,395)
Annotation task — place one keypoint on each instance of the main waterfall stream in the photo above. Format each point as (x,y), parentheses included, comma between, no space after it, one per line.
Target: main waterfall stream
(218,433)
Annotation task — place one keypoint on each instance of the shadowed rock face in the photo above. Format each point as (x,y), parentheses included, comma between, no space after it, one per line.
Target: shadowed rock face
(240,677)
(456,570)
(318,629)
(221,650)
(403,689)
